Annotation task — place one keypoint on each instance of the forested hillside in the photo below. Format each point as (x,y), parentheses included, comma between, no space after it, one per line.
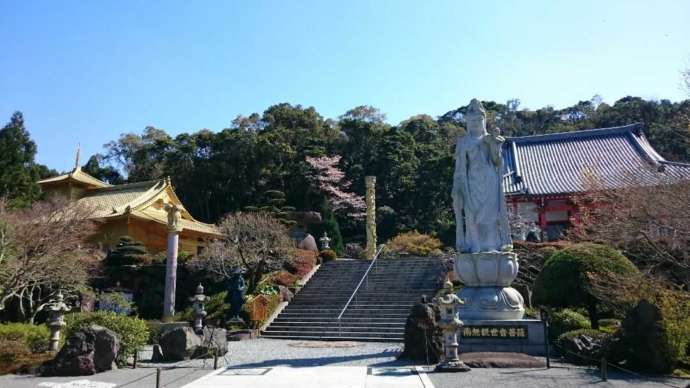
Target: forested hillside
(219,172)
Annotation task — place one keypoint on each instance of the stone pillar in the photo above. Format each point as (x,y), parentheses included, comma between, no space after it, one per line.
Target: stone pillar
(174,230)
(170,276)
(370,198)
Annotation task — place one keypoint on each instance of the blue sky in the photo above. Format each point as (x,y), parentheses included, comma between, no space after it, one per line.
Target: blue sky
(86,71)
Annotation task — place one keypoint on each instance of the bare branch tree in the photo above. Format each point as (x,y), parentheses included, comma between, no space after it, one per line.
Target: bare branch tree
(649,223)
(251,241)
(42,251)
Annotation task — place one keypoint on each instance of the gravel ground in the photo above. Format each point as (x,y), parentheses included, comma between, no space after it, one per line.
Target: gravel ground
(271,353)
(242,354)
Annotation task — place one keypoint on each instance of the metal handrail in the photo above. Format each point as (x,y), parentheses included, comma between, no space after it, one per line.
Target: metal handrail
(360,282)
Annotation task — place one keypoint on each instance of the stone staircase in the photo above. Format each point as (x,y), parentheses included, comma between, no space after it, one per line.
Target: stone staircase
(377,312)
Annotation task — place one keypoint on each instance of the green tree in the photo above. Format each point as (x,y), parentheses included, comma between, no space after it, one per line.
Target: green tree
(329,225)
(127,252)
(105,173)
(18,171)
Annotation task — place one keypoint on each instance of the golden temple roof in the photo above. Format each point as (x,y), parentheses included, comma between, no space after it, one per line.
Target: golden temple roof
(76,175)
(143,200)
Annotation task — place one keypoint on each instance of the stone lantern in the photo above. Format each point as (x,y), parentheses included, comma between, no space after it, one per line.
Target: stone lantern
(198,308)
(325,241)
(450,324)
(56,311)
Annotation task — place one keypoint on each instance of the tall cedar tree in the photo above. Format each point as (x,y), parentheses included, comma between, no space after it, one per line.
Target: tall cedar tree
(18,172)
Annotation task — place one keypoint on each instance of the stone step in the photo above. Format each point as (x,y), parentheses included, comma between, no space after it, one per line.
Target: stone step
(344,337)
(336,333)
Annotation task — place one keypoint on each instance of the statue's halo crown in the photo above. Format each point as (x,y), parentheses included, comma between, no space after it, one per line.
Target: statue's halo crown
(476,108)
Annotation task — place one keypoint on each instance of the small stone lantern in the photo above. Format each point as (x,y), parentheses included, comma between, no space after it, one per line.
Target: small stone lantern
(56,320)
(450,324)
(198,308)
(325,241)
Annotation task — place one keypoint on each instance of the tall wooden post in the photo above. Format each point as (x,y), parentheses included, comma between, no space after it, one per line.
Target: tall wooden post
(174,229)
(370,198)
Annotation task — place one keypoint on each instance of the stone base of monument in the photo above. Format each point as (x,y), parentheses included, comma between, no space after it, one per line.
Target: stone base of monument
(452,366)
(518,336)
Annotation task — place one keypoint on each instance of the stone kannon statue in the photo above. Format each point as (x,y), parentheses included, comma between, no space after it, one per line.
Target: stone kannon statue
(478,200)
(485,262)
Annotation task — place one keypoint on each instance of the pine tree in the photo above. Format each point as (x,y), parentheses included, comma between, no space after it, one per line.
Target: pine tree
(127,252)
(331,227)
(18,171)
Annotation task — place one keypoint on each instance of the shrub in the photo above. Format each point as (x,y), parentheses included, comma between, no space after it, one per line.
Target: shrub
(328,255)
(566,320)
(116,302)
(12,350)
(565,279)
(283,278)
(609,325)
(128,252)
(154,332)
(414,243)
(215,306)
(303,262)
(34,337)
(133,332)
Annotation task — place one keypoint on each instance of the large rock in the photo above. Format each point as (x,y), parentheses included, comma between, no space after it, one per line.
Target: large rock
(214,342)
(179,343)
(584,348)
(308,243)
(642,340)
(86,352)
(183,343)
(422,336)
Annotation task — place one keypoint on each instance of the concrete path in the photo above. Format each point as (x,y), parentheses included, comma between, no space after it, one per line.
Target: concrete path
(299,364)
(313,377)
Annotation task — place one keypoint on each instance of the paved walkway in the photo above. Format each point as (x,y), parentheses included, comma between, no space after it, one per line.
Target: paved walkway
(314,377)
(281,363)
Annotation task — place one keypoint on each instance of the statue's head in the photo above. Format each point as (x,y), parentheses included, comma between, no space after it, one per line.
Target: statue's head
(476,118)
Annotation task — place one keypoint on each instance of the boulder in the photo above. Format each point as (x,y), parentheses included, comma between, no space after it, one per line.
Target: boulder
(584,348)
(157,354)
(308,243)
(214,342)
(183,343)
(422,336)
(86,352)
(179,343)
(285,294)
(642,340)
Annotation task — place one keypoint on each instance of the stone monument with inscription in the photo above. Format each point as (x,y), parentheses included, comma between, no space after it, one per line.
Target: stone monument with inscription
(486,264)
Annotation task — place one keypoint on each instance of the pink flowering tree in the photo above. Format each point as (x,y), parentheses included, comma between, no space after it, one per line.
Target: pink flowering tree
(331,181)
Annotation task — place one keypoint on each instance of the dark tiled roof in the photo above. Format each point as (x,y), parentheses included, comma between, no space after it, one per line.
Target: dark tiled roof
(560,163)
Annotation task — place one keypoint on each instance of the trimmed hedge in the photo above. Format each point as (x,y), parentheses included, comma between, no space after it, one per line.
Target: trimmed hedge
(566,320)
(414,243)
(35,337)
(133,332)
(564,280)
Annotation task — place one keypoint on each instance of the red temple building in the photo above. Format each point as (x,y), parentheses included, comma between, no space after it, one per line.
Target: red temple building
(543,173)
